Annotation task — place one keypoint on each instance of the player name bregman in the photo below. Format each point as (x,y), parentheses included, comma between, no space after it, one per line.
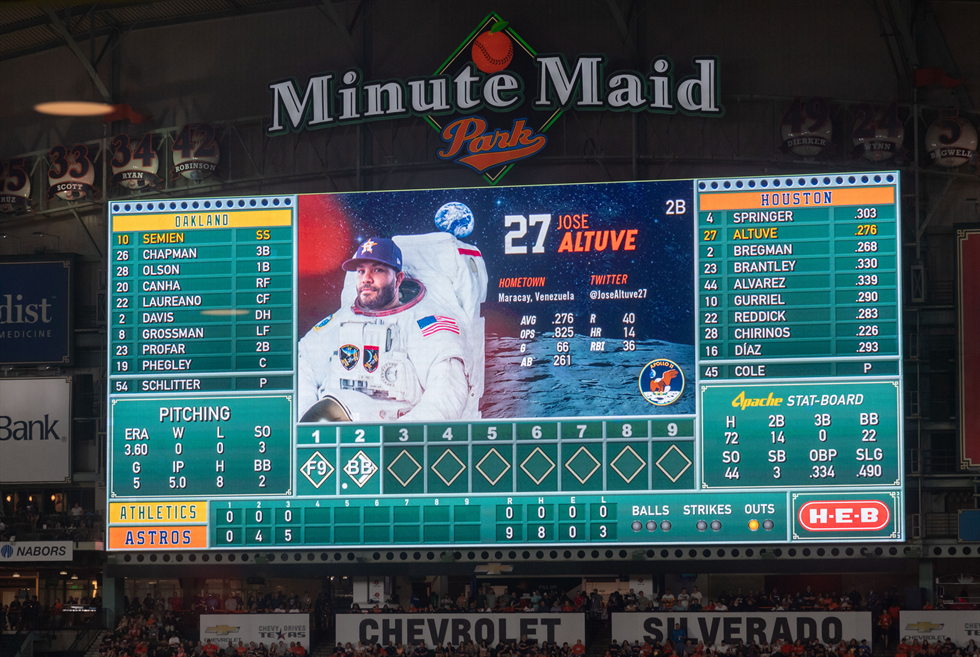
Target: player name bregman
(743,250)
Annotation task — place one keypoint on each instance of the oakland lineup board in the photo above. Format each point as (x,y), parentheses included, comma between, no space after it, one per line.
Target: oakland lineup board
(669,362)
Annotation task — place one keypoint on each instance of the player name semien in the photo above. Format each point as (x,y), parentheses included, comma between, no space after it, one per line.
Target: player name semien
(171,333)
(163,238)
(761,217)
(742,250)
(763,266)
(169,254)
(172,301)
(770,283)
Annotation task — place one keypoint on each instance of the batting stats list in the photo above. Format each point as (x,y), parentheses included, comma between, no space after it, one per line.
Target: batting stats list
(797,382)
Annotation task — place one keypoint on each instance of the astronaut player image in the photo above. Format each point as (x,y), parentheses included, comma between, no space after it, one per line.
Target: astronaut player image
(407,343)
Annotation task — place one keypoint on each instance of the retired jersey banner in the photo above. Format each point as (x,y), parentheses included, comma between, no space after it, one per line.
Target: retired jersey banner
(761,627)
(456,628)
(932,626)
(224,630)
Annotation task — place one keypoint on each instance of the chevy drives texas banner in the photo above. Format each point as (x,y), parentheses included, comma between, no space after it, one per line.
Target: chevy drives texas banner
(715,627)
(932,626)
(225,630)
(455,628)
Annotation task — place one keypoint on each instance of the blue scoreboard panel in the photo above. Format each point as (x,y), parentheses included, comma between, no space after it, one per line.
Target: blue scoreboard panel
(669,362)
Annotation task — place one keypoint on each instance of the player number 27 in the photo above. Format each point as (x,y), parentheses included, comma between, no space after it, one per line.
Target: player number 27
(544,220)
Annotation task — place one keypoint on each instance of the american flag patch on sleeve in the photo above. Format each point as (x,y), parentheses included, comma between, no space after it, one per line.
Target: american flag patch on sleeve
(435,323)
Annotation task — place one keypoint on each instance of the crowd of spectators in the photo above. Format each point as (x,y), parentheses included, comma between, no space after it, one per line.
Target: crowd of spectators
(486,600)
(678,645)
(142,633)
(807,600)
(31,614)
(521,648)
(28,523)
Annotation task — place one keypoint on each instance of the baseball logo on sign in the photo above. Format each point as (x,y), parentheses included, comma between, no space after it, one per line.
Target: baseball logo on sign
(493,50)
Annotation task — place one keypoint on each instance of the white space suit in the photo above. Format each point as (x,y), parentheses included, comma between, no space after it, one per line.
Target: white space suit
(421,361)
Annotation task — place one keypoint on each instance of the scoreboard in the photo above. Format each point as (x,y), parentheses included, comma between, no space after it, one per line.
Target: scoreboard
(667,362)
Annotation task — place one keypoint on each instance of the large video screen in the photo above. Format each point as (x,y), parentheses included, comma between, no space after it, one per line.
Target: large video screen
(666,362)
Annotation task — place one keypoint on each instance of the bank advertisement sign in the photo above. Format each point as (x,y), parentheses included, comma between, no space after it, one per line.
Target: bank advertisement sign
(35,430)
(456,628)
(762,627)
(35,311)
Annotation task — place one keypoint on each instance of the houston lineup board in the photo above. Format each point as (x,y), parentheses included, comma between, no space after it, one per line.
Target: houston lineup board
(668,362)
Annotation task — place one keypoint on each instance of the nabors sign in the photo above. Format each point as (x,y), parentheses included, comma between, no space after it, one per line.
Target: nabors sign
(494,97)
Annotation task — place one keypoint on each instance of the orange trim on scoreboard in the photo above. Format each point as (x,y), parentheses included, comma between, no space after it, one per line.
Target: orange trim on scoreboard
(158,538)
(210,220)
(783,199)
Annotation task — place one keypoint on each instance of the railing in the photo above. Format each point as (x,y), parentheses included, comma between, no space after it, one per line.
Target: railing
(17,645)
(88,528)
(88,633)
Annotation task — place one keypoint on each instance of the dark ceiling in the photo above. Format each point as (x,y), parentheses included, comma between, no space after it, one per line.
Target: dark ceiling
(28,27)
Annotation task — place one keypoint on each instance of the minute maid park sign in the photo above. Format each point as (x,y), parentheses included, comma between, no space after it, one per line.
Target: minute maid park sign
(494,98)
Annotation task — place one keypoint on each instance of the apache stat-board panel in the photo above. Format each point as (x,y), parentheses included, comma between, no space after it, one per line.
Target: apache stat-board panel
(669,362)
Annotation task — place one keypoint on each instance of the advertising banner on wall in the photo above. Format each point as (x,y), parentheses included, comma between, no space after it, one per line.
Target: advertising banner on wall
(35,430)
(35,551)
(36,310)
(454,628)
(931,626)
(713,628)
(225,630)
(968,288)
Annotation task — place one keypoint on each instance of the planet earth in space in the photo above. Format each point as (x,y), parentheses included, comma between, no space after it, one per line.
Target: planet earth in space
(455,218)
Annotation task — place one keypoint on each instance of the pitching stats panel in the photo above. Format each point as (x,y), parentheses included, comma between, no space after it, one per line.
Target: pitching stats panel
(669,362)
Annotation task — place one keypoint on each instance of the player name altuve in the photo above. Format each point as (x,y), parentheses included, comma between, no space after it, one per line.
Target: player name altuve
(333,99)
